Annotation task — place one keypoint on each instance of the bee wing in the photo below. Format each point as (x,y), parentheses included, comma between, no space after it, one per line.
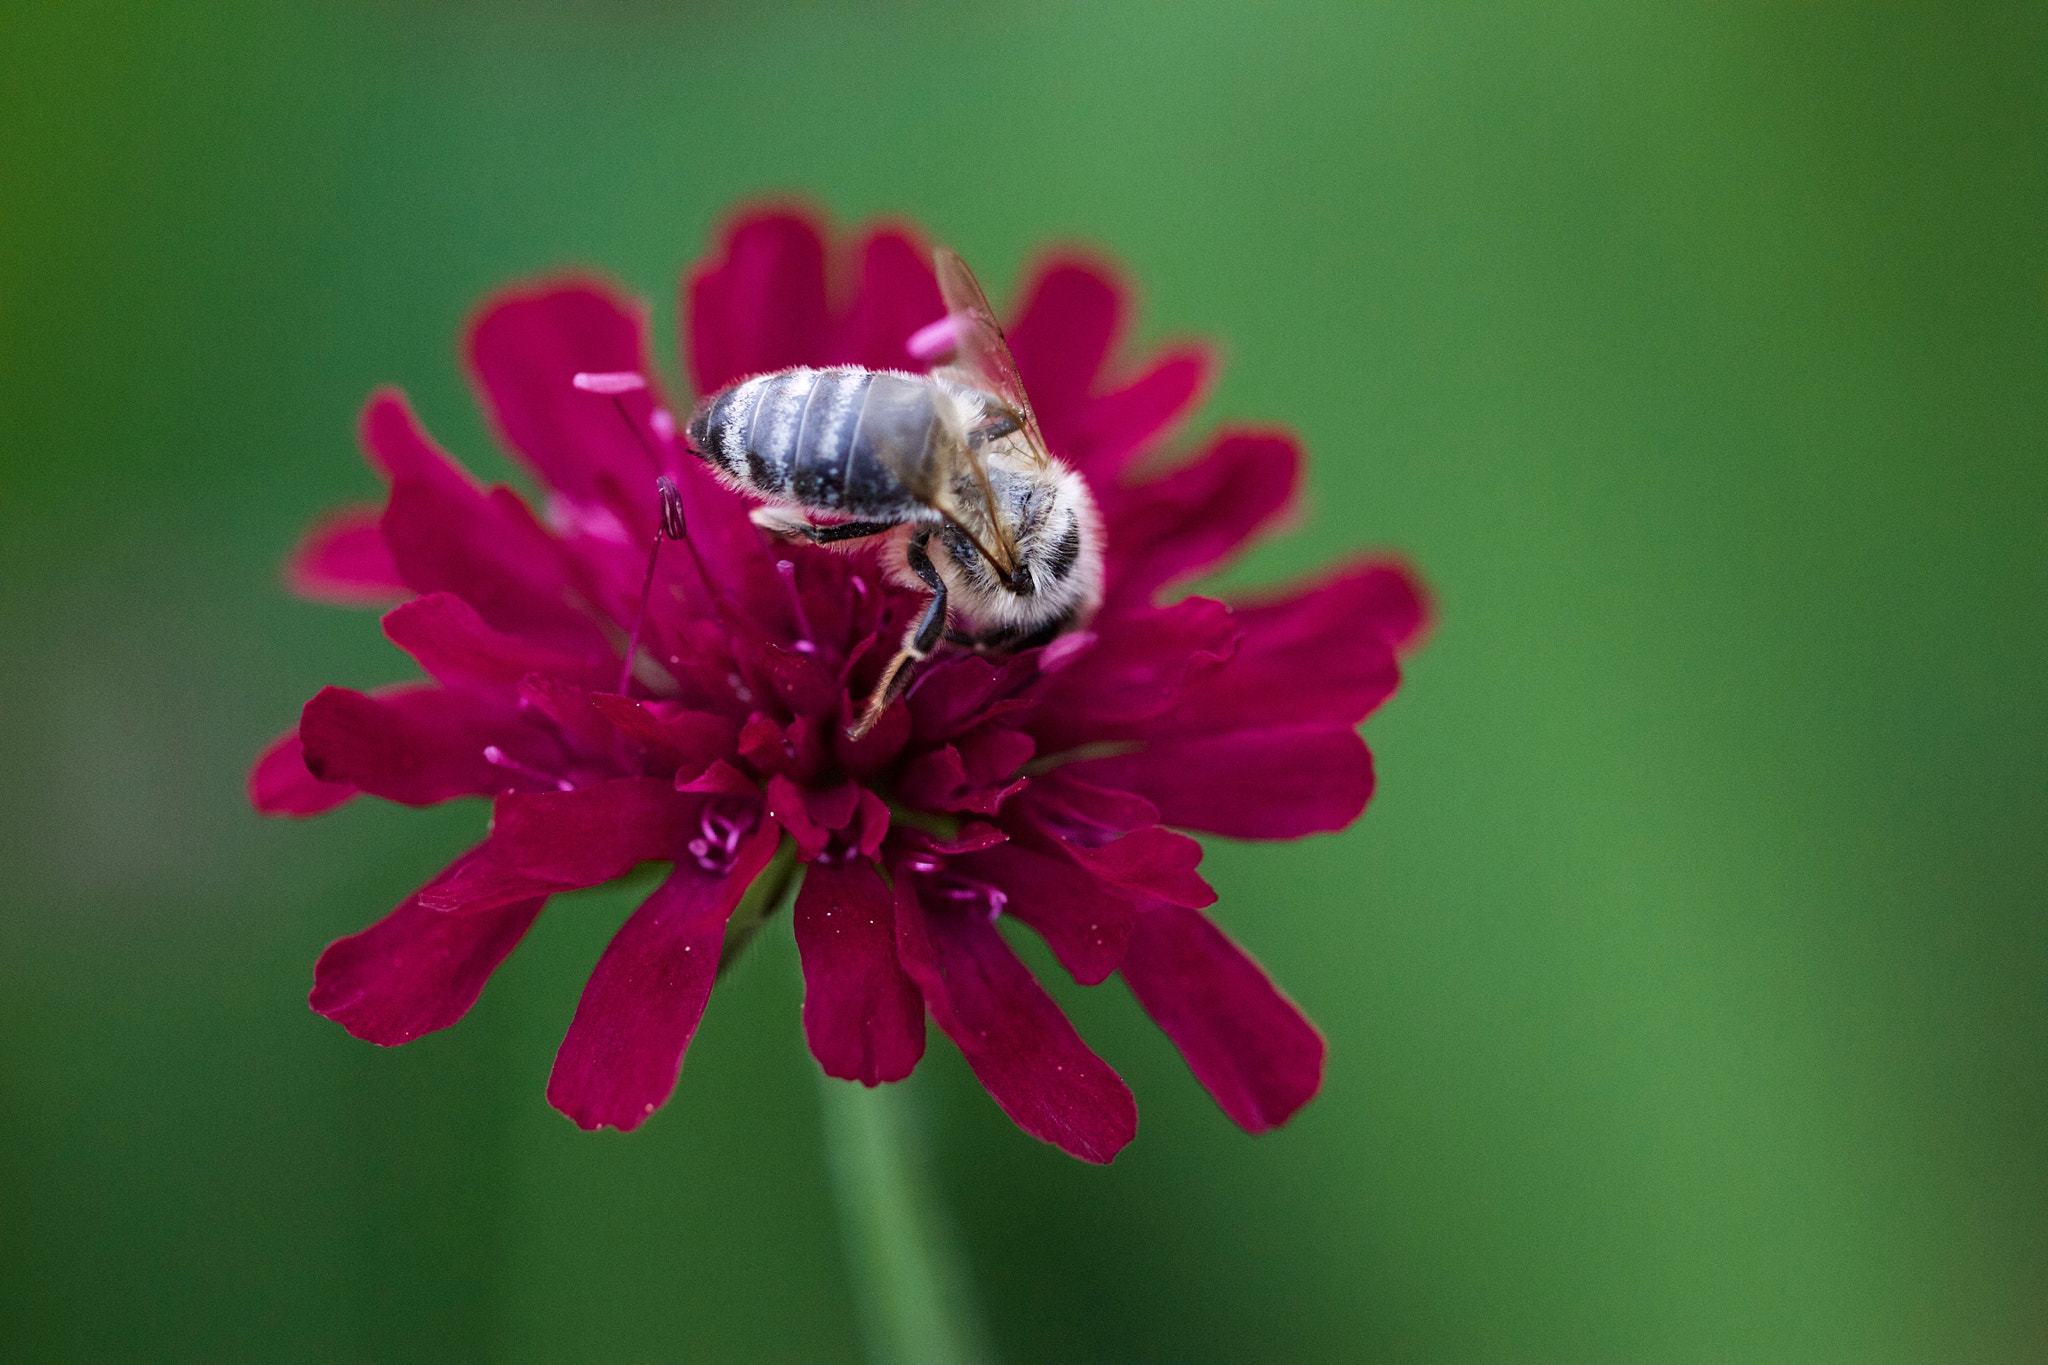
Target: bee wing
(931,480)
(982,357)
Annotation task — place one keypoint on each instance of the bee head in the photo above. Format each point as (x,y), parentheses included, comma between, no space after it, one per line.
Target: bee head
(1058,573)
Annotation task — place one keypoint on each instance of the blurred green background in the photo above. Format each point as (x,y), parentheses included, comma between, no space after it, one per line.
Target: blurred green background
(1687,982)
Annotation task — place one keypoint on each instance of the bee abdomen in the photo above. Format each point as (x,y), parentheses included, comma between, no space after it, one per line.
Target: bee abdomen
(827,438)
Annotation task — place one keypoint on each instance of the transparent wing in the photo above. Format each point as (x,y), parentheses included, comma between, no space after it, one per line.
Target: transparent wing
(982,358)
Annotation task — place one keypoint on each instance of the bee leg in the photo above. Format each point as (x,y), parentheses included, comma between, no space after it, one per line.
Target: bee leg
(784,523)
(918,642)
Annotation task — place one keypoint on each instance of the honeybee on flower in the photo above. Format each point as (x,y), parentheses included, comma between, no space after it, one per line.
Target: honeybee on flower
(745,711)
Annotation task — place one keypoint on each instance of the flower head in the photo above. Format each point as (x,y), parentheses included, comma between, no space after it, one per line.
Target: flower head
(693,710)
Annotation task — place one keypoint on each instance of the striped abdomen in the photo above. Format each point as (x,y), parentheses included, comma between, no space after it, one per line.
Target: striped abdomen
(829,439)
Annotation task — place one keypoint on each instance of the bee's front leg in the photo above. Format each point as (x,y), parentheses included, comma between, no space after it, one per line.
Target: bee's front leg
(918,642)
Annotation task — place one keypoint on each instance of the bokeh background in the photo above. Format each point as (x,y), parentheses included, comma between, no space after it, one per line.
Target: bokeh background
(1686,983)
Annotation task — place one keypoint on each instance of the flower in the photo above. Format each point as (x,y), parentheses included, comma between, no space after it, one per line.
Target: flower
(1046,787)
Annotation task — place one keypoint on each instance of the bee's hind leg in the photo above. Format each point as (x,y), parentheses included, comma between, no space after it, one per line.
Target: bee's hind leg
(919,642)
(784,523)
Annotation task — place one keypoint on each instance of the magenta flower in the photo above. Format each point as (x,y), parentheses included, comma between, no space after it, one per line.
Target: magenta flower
(1048,786)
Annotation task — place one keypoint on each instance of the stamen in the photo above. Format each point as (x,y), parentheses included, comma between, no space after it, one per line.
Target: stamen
(724,825)
(933,340)
(672,527)
(498,758)
(807,641)
(987,900)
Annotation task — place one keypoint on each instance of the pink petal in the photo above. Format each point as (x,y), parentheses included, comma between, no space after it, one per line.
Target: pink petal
(417,969)
(896,294)
(446,534)
(1127,421)
(1193,518)
(526,350)
(1276,783)
(1247,1043)
(1072,314)
(641,1007)
(760,305)
(342,559)
(415,745)
(280,785)
(863,1016)
(456,647)
(1015,1038)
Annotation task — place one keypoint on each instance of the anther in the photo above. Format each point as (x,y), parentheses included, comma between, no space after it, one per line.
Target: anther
(933,340)
(609,381)
(672,524)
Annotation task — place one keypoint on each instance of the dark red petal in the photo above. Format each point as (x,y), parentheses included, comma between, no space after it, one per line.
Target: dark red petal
(978,774)
(833,807)
(342,559)
(525,350)
(955,694)
(863,1016)
(897,294)
(457,647)
(1140,665)
(1064,334)
(1276,783)
(595,833)
(280,785)
(417,969)
(1082,812)
(641,1007)
(1326,652)
(1380,594)
(1083,919)
(874,823)
(1191,519)
(446,534)
(1016,1039)
(786,804)
(1129,420)
(719,778)
(414,745)
(761,304)
(1245,1041)
(1152,863)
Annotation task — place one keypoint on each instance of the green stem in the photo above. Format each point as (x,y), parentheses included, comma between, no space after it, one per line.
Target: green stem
(914,1295)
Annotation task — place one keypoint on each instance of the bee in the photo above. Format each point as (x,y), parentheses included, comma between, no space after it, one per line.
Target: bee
(949,466)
